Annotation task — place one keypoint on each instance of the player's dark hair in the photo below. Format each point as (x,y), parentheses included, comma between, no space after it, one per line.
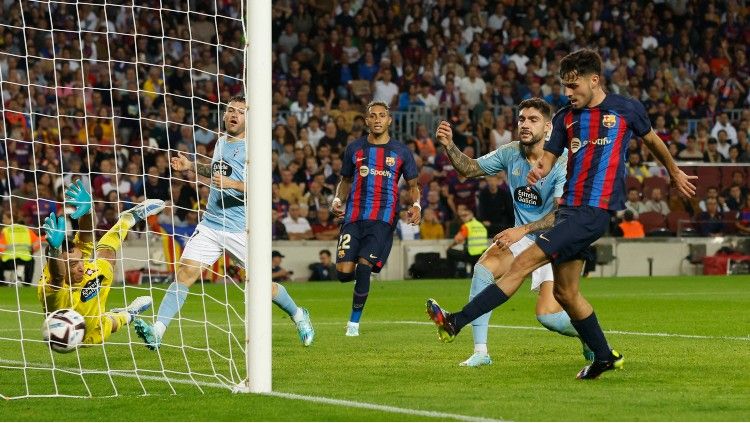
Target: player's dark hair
(579,63)
(539,104)
(378,103)
(238,98)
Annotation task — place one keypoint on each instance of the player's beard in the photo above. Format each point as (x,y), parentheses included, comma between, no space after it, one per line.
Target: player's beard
(535,139)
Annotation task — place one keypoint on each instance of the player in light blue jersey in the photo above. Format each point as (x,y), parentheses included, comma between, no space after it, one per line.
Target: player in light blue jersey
(534,207)
(222,229)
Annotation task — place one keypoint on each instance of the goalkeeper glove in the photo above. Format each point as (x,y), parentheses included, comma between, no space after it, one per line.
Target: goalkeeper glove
(54,226)
(79,198)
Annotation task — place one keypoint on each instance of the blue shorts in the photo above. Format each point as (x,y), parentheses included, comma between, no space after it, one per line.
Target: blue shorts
(368,239)
(576,228)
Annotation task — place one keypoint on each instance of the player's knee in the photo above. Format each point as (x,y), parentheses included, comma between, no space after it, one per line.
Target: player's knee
(564,295)
(187,274)
(346,276)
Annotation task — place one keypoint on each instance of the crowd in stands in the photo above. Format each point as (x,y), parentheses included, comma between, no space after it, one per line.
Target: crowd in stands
(85,97)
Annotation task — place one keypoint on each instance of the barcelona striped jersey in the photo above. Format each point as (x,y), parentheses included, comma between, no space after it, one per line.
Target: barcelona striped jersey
(597,140)
(375,171)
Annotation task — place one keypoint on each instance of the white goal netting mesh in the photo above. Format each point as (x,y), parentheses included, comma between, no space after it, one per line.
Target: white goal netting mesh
(106,92)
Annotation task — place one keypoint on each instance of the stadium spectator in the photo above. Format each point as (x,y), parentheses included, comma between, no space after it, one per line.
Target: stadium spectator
(431,227)
(734,197)
(278,230)
(711,154)
(656,203)
(723,144)
(297,227)
(279,274)
(691,152)
(630,227)
(723,124)
(636,168)
(405,230)
(290,191)
(324,269)
(633,203)
(713,193)
(711,221)
(324,227)
(743,219)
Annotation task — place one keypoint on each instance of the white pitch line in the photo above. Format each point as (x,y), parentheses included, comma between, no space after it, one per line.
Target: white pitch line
(286,395)
(616,332)
(514,327)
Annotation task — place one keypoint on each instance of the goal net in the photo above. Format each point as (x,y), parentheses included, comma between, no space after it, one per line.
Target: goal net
(107,92)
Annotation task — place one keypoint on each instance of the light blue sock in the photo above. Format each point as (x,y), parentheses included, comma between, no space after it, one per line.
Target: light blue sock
(481,279)
(558,322)
(284,301)
(172,302)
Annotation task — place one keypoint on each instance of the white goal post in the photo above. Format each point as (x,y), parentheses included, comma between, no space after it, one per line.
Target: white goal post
(107,92)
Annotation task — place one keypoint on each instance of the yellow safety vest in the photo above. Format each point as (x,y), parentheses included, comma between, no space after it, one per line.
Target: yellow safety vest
(476,241)
(18,243)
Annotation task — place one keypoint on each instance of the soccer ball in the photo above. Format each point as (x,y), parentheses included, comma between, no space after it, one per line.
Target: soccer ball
(63,330)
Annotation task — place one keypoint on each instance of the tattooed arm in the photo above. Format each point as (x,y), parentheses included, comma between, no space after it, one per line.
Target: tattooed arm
(463,164)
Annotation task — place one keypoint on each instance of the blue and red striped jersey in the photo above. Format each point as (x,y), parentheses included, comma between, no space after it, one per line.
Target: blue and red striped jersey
(376,170)
(597,140)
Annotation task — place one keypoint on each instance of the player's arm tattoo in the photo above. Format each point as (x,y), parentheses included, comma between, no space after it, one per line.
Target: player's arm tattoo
(464,164)
(547,222)
(342,189)
(203,169)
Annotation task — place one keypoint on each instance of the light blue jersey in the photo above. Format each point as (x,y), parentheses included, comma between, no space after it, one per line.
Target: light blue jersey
(530,203)
(225,210)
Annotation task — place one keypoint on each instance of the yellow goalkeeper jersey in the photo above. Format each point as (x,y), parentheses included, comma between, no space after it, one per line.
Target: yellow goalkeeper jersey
(88,296)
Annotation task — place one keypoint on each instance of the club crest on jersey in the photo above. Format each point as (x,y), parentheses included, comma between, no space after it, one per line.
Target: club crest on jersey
(609,121)
(575,145)
(364,171)
(516,172)
(390,161)
(222,167)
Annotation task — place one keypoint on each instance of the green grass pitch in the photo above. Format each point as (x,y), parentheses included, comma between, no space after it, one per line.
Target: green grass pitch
(686,342)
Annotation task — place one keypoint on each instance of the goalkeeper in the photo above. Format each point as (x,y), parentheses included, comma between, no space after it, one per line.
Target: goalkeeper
(73,278)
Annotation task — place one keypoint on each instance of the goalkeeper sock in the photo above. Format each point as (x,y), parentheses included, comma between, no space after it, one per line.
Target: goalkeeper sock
(113,238)
(170,305)
(361,291)
(558,322)
(286,303)
(481,279)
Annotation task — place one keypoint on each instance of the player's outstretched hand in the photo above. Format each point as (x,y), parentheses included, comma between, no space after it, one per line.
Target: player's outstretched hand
(337,208)
(509,237)
(681,181)
(79,198)
(415,215)
(54,227)
(444,134)
(181,162)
